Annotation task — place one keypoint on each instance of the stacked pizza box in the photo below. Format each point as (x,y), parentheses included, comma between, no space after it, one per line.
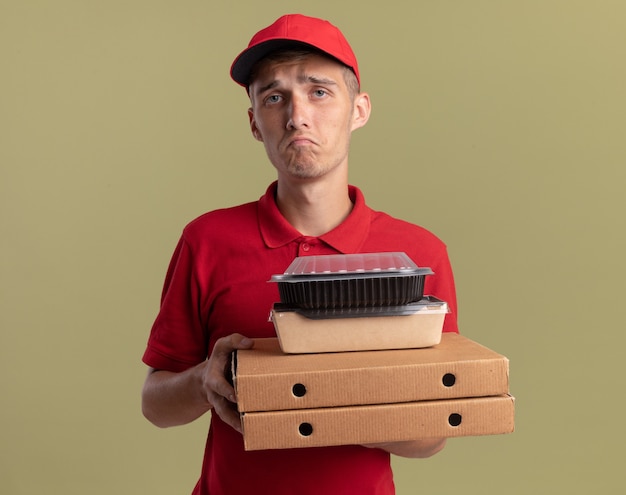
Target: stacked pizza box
(360,358)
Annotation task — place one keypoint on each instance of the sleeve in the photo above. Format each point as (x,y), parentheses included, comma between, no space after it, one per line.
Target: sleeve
(178,340)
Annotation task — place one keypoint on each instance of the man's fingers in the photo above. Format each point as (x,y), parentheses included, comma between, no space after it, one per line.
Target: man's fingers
(218,370)
(215,381)
(219,389)
(226,345)
(228,413)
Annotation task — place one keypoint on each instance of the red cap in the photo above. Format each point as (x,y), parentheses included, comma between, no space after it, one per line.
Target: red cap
(293,31)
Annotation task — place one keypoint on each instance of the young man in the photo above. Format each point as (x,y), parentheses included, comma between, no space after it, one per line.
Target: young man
(303,82)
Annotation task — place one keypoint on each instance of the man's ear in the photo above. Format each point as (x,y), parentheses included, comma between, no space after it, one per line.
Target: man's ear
(362,110)
(253,127)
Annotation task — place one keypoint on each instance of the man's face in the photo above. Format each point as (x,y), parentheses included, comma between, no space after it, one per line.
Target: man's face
(303,113)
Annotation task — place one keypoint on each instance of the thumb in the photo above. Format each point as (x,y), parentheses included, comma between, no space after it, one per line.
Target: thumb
(241,341)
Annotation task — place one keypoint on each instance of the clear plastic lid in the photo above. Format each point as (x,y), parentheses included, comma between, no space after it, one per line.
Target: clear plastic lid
(360,265)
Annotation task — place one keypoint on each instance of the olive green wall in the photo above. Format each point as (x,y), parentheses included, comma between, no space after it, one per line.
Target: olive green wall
(499,125)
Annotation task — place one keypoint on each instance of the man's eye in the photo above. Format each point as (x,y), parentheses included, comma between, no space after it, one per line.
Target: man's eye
(273,99)
(320,93)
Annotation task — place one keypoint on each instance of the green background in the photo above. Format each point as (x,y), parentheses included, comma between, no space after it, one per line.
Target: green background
(499,125)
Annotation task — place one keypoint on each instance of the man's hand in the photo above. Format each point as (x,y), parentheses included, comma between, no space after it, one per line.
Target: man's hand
(171,399)
(219,392)
(413,448)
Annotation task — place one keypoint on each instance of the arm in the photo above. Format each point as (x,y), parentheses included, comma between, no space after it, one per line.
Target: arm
(417,449)
(171,399)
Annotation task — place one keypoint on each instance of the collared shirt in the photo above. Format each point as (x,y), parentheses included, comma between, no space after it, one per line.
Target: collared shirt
(218,283)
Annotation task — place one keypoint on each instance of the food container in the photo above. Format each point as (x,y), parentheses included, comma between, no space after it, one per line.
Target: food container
(411,326)
(351,281)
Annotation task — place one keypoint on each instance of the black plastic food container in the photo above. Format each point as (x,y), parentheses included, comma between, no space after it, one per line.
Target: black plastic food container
(351,281)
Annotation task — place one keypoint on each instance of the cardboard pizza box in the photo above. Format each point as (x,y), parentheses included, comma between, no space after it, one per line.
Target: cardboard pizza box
(378,423)
(266,379)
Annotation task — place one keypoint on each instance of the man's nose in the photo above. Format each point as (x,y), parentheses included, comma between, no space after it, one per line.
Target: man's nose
(298,112)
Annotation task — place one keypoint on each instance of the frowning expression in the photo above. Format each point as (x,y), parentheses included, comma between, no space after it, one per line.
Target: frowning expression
(304,114)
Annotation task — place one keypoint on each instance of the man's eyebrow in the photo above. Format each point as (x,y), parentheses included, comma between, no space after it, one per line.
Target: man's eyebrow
(302,79)
(318,80)
(267,87)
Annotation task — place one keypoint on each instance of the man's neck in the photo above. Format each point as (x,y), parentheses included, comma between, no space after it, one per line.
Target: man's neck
(314,207)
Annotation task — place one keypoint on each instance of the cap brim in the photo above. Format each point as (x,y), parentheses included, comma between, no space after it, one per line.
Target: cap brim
(241,68)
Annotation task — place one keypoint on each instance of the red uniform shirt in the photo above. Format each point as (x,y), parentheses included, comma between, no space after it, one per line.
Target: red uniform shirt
(217,284)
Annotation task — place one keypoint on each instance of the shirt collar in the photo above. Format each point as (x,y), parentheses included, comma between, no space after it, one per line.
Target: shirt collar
(346,238)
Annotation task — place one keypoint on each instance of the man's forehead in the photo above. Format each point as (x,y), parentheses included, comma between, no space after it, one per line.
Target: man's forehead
(312,69)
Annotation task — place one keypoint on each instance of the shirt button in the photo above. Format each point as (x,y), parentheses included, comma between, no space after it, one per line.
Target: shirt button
(306,247)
